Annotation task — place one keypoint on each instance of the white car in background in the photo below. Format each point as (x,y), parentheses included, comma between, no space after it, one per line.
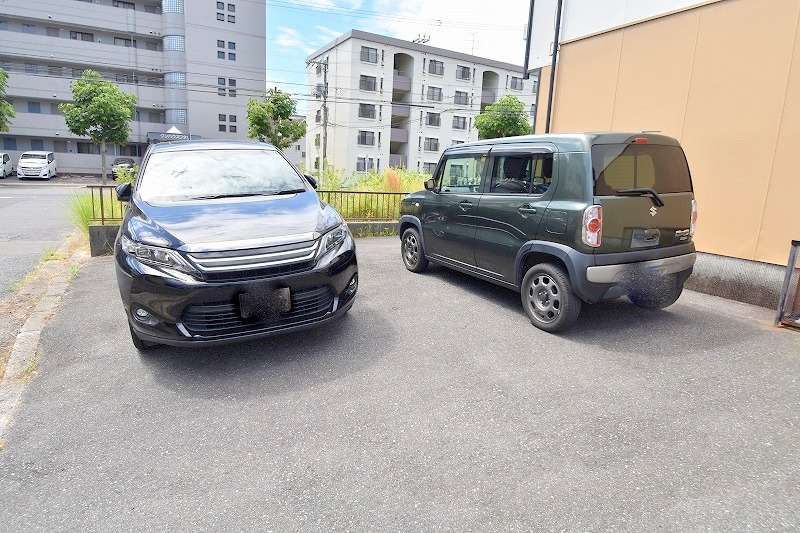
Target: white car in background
(36,164)
(6,166)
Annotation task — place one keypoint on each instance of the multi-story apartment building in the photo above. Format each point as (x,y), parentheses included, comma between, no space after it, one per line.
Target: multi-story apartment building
(296,152)
(397,103)
(192,66)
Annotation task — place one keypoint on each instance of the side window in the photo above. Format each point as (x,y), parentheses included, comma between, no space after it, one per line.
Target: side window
(521,174)
(461,174)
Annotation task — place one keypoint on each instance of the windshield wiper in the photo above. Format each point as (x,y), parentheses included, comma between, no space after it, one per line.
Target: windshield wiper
(642,191)
(230,195)
(289,191)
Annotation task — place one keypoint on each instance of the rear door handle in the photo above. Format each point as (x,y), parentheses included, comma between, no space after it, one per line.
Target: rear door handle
(465,205)
(527,209)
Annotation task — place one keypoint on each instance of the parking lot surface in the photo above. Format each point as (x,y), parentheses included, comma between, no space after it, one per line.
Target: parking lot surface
(433,405)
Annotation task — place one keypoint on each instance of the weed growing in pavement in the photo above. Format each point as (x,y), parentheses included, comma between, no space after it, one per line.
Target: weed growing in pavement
(2,445)
(27,373)
(50,255)
(83,207)
(74,270)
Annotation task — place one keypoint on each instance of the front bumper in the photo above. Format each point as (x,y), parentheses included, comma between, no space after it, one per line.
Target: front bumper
(191,312)
(32,172)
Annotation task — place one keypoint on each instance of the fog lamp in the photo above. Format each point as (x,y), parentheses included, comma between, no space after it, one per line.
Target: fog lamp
(144,316)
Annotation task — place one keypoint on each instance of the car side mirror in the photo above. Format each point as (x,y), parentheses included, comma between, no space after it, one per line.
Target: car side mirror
(430,184)
(311,179)
(123,192)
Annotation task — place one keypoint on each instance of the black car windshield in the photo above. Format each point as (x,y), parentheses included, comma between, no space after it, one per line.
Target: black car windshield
(123,161)
(194,174)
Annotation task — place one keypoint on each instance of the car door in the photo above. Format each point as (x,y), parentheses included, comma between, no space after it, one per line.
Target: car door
(449,211)
(512,205)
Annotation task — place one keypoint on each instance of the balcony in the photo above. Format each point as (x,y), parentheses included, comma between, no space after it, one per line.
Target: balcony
(401,83)
(400,110)
(397,160)
(398,135)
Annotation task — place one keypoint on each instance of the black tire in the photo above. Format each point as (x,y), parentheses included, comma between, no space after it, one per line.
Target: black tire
(657,296)
(412,252)
(141,345)
(548,299)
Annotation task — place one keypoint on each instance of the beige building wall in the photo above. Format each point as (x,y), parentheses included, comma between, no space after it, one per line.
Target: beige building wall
(724,79)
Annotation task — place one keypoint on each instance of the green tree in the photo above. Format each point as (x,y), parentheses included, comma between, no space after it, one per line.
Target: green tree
(270,119)
(100,111)
(6,109)
(504,118)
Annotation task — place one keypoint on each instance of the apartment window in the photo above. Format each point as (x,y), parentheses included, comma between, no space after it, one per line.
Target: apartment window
(220,5)
(223,127)
(431,144)
(3,25)
(37,144)
(153,46)
(516,83)
(319,69)
(435,67)
(231,8)
(462,72)
(232,82)
(55,71)
(119,41)
(231,18)
(124,5)
(435,93)
(53,32)
(535,85)
(172,6)
(122,78)
(231,45)
(318,116)
(175,116)
(221,16)
(370,55)
(317,139)
(366,138)
(316,163)
(220,54)
(76,73)
(222,117)
(461,98)
(368,83)
(9,143)
(232,93)
(455,142)
(297,147)
(34,107)
(221,91)
(28,28)
(220,81)
(366,110)
(429,168)
(81,36)
(370,163)
(433,119)
(231,56)
(232,118)
(361,164)
(459,123)
(156,117)
(174,43)
(232,129)
(30,68)
(220,43)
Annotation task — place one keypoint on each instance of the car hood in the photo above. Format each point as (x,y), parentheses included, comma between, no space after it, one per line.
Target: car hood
(32,164)
(232,223)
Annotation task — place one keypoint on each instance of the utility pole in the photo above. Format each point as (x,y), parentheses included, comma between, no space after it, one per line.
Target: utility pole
(553,67)
(324,65)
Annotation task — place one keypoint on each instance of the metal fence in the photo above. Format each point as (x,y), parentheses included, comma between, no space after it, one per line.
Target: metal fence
(353,205)
(789,303)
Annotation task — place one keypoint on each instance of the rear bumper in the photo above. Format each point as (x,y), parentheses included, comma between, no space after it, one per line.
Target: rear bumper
(659,267)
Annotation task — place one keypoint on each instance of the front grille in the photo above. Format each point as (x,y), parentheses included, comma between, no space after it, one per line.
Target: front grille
(30,172)
(223,319)
(255,263)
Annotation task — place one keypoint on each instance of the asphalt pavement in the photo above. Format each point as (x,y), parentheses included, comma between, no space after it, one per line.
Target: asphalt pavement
(33,219)
(433,405)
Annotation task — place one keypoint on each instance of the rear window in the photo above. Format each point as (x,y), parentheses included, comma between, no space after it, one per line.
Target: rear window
(633,166)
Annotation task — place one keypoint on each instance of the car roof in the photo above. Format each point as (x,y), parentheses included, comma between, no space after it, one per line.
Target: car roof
(569,142)
(37,152)
(178,146)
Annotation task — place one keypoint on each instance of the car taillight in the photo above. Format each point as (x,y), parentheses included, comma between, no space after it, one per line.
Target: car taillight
(693,222)
(593,226)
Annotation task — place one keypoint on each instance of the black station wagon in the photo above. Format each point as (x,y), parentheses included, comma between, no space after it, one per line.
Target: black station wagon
(563,219)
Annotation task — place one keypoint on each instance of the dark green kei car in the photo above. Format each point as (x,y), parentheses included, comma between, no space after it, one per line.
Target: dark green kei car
(562,219)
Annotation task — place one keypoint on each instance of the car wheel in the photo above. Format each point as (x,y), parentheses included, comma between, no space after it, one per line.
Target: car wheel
(548,299)
(413,254)
(141,345)
(659,295)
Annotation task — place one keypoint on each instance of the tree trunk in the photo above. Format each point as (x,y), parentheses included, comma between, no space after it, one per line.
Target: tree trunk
(103,154)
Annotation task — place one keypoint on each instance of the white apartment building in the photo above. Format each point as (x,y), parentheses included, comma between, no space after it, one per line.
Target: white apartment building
(191,64)
(397,103)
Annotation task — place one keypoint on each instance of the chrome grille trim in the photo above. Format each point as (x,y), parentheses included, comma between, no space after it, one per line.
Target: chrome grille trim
(255,258)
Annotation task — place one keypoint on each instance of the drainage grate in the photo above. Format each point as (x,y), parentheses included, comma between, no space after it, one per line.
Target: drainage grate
(789,303)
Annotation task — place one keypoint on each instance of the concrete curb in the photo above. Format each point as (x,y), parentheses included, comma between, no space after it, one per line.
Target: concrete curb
(22,361)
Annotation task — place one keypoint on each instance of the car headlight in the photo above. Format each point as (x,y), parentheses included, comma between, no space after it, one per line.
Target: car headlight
(154,255)
(332,239)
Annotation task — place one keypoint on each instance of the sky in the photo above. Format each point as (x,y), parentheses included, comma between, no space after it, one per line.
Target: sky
(296,28)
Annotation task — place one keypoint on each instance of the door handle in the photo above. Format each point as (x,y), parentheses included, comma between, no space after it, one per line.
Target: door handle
(527,209)
(466,204)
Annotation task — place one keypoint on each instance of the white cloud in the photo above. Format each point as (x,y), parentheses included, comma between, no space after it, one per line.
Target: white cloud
(291,39)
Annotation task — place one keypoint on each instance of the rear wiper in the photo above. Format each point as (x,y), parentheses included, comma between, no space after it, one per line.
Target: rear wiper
(642,191)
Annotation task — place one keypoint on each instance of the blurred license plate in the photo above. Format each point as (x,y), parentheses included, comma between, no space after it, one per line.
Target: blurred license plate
(265,303)
(643,238)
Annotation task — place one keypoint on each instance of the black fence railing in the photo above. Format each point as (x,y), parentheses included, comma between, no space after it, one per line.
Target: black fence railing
(353,205)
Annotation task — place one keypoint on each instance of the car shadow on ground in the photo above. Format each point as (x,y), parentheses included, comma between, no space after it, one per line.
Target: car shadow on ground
(618,325)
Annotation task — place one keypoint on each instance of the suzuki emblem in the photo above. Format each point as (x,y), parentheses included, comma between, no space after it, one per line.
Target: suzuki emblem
(653,211)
